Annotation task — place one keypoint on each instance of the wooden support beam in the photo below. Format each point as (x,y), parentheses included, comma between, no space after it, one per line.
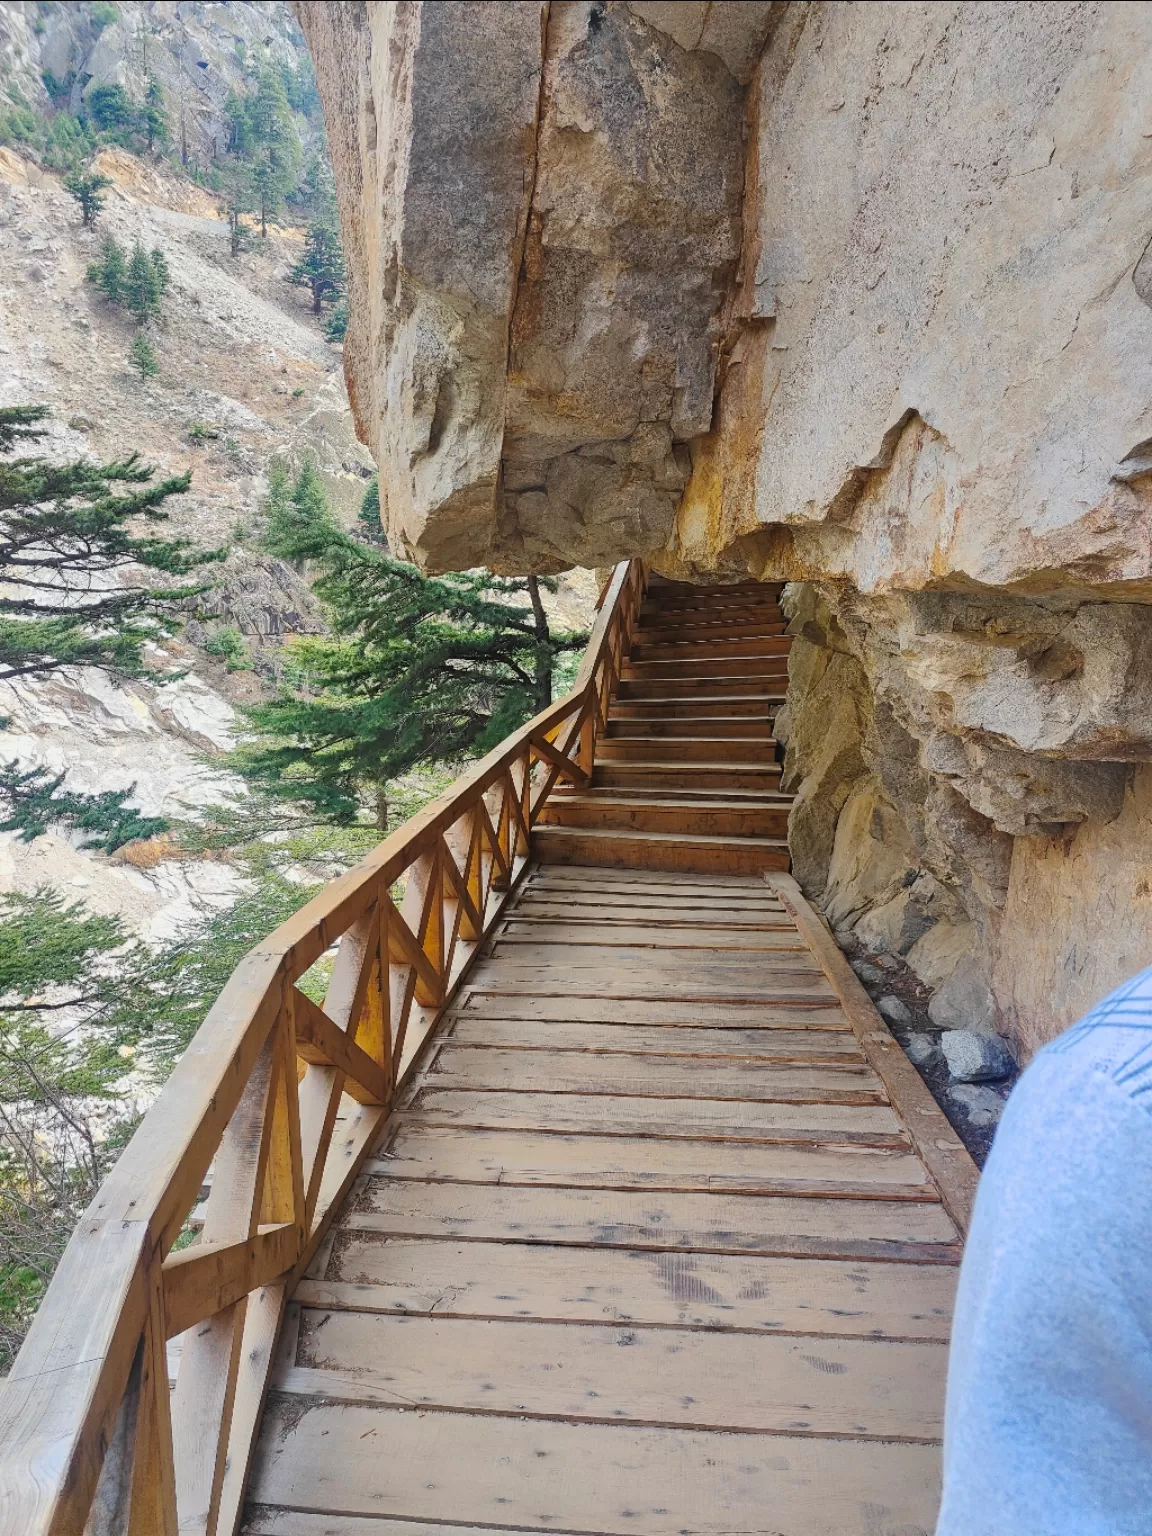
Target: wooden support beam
(320,1041)
(203,1280)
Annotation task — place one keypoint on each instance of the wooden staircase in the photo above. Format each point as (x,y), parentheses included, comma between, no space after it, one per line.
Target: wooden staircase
(686,776)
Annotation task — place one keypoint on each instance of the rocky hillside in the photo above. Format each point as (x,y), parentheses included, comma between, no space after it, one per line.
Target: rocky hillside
(245,376)
(852,296)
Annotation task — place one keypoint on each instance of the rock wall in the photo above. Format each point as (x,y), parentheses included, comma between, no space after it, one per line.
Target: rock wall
(859,296)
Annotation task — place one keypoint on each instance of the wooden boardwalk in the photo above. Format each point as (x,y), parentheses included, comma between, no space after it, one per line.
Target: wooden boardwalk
(660,1239)
(595,1199)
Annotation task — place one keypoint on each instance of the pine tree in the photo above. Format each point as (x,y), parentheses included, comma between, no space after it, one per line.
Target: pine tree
(153,116)
(66,532)
(34,799)
(267,136)
(237,200)
(87,187)
(299,523)
(145,279)
(110,271)
(368,522)
(321,268)
(336,325)
(143,356)
(419,670)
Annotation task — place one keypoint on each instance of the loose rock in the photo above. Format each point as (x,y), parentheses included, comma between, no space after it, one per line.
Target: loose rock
(974,1056)
(894,1010)
(870,975)
(922,1050)
(983,1106)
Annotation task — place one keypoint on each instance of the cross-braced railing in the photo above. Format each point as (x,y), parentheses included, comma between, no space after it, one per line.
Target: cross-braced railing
(284,1099)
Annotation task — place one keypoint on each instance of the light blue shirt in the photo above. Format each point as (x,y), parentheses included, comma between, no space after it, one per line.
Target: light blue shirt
(1048,1429)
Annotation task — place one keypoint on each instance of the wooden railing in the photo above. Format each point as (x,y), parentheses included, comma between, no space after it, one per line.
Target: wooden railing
(91,1438)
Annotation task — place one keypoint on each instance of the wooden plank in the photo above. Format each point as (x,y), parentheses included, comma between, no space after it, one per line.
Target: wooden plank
(874,1124)
(653,880)
(764,1044)
(776,981)
(619,1285)
(945,1155)
(203,1280)
(703,1379)
(264,1520)
(497,1470)
(652,1077)
(569,936)
(720,1223)
(726,966)
(425,1151)
(808,1011)
(664,917)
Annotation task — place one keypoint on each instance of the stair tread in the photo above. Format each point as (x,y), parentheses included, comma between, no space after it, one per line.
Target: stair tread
(707,839)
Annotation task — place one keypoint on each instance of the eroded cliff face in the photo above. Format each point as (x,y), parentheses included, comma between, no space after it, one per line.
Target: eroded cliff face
(855,296)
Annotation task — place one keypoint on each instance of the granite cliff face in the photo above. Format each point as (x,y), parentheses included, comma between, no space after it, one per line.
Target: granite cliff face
(855,296)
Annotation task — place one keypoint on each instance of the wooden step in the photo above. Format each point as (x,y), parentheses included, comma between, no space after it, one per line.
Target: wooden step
(734,751)
(677,814)
(713,668)
(717,651)
(668,632)
(723,707)
(708,612)
(756,726)
(719,592)
(693,853)
(666,776)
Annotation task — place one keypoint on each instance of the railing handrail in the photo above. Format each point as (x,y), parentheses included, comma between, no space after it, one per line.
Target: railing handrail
(86,1438)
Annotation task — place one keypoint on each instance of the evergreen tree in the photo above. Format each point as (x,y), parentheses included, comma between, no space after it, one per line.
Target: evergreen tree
(419,670)
(321,268)
(34,799)
(336,325)
(368,522)
(153,116)
(237,200)
(264,133)
(143,356)
(88,187)
(110,271)
(66,532)
(145,280)
(112,110)
(299,523)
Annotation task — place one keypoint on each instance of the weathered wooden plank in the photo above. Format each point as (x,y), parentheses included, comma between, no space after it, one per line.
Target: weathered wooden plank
(875,1124)
(780,1044)
(722,1223)
(265,1520)
(203,1280)
(568,936)
(775,982)
(589,1477)
(465,1066)
(619,1285)
(661,918)
(424,1151)
(622,961)
(813,1011)
(703,1379)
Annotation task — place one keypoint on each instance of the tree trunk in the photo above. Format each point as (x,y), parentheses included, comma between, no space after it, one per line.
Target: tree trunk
(317,299)
(543,647)
(382,808)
